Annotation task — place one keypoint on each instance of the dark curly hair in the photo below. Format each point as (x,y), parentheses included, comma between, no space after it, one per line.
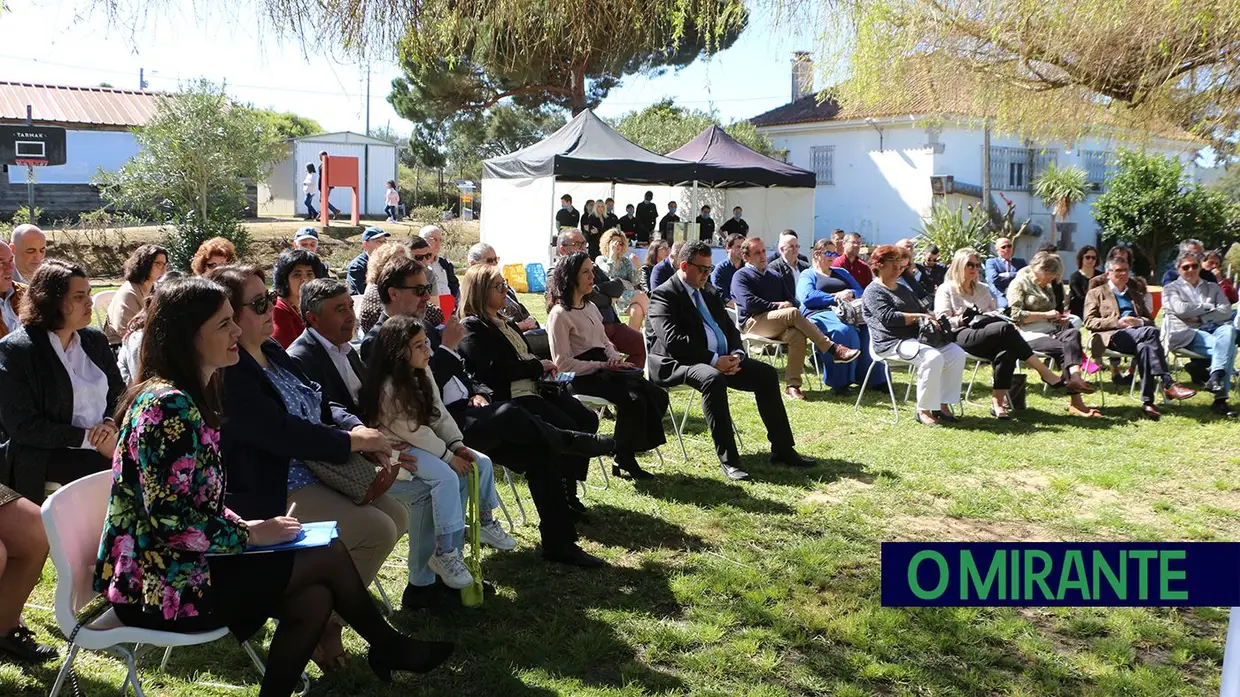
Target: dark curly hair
(413,389)
(137,268)
(291,259)
(41,304)
(564,280)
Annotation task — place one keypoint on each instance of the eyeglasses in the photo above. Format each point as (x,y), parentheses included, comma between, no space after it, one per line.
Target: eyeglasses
(971,264)
(423,257)
(419,291)
(501,286)
(1090,257)
(262,303)
(1190,267)
(1005,246)
(703,268)
(574,245)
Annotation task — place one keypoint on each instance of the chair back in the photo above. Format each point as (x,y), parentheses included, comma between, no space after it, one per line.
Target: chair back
(357,314)
(736,318)
(73,517)
(102,301)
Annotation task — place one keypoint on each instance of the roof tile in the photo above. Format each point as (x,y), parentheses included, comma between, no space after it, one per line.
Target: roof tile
(65,105)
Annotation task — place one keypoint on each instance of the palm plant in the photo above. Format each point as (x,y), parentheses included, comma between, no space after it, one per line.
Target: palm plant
(1059,188)
(951,229)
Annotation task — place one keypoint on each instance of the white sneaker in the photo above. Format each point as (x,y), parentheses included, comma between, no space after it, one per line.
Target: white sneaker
(493,535)
(451,568)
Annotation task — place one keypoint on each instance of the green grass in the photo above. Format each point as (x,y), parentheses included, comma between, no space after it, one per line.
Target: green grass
(771,588)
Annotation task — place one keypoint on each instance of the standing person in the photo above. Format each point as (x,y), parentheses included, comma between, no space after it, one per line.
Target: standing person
(592,228)
(789,261)
(30,249)
(1117,315)
(626,339)
(693,342)
(892,314)
(721,277)
(735,225)
(146,265)
(655,254)
(1001,269)
(1078,283)
(308,190)
(60,385)
(11,293)
(446,282)
(1200,319)
(628,224)
(617,265)
(212,254)
(391,201)
(667,222)
(610,219)
(372,239)
(767,306)
(706,226)
(579,345)
(327,196)
(851,260)
(23,551)
(293,268)
(179,566)
(567,216)
(828,298)
(647,214)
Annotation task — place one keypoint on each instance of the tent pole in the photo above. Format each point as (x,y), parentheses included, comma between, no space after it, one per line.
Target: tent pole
(555,229)
(693,204)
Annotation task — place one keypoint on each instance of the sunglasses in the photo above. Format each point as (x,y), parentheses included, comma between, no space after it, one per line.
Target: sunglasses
(423,257)
(971,265)
(1005,246)
(1090,257)
(703,268)
(1190,267)
(262,303)
(419,291)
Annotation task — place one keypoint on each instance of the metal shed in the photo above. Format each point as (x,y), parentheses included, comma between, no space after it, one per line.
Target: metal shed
(281,194)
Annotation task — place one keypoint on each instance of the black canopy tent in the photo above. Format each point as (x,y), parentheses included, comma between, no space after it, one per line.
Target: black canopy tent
(720,161)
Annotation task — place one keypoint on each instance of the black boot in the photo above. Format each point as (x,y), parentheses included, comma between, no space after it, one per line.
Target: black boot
(588,444)
(628,464)
(410,655)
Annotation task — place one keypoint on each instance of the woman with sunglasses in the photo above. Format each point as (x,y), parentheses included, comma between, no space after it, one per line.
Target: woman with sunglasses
(982,331)
(1078,283)
(829,296)
(293,269)
(277,419)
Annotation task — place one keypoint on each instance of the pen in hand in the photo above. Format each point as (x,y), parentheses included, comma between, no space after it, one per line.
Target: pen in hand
(291,509)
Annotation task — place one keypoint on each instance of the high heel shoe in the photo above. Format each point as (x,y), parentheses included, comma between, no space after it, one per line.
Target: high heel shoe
(629,465)
(410,655)
(1000,415)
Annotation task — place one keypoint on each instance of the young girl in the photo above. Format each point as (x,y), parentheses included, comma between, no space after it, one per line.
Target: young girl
(392,200)
(398,396)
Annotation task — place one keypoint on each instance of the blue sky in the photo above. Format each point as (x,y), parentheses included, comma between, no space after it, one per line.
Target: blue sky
(78,47)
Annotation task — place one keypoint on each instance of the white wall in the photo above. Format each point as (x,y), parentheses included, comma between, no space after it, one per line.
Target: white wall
(86,152)
(372,185)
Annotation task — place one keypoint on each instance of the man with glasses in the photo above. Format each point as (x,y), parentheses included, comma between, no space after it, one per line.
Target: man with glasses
(1189,246)
(624,338)
(789,261)
(1199,318)
(767,306)
(1001,269)
(11,292)
(694,342)
(1117,314)
(442,270)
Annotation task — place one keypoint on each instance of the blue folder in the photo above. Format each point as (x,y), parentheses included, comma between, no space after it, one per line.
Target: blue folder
(311,535)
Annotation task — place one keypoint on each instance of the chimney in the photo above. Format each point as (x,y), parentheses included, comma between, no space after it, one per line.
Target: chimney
(802,74)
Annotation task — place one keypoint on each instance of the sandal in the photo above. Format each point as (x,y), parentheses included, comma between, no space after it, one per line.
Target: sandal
(1085,414)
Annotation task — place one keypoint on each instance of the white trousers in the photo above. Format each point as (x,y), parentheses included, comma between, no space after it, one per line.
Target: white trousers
(940,372)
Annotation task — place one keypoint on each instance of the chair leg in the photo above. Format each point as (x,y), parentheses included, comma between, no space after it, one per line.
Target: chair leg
(740,444)
(912,380)
(258,662)
(678,427)
(895,409)
(64,671)
(968,391)
(515,496)
(387,604)
(606,479)
(132,678)
(163,664)
(864,383)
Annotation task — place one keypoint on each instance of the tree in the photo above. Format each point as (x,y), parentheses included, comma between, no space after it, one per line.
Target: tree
(1147,204)
(287,125)
(1057,63)
(662,127)
(195,158)
(1229,184)
(1059,188)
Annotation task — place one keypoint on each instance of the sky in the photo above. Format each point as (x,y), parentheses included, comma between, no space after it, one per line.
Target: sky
(199,39)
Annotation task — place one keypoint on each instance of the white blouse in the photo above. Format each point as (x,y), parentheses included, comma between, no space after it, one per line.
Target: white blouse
(90,384)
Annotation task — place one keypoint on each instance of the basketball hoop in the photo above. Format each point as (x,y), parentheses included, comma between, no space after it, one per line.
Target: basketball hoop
(30,162)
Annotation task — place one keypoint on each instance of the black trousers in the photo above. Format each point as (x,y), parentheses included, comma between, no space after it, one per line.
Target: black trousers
(1001,344)
(66,465)
(563,411)
(1064,346)
(1143,343)
(754,376)
(640,408)
(522,442)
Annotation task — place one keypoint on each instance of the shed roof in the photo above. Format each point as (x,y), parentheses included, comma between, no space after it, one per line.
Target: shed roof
(100,107)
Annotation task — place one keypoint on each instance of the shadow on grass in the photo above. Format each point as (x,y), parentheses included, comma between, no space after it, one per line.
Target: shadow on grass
(707,493)
(626,529)
(826,471)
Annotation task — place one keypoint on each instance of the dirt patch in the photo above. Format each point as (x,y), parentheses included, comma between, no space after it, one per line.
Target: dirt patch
(1024,480)
(938,528)
(837,492)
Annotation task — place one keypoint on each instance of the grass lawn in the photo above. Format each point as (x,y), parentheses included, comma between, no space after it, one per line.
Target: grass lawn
(771,588)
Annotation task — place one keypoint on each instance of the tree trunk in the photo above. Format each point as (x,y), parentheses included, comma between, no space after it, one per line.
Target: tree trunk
(579,90)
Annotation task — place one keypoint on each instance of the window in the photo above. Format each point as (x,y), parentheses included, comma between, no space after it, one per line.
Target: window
(1014,169)
(824,164)
(1097,164)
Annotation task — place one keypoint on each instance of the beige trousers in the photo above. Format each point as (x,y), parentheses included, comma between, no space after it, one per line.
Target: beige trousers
(790,326)
(369,532)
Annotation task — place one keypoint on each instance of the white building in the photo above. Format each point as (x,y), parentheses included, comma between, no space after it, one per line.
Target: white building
(875,167)
(280,194)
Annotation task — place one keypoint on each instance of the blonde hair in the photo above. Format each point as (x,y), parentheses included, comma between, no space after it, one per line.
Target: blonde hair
(955,272)
(475,287)
(1047,263)
(381,257)
(604,244)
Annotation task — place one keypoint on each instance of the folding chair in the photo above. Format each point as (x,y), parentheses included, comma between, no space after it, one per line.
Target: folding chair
(781,347)
(876,359)
(102,301)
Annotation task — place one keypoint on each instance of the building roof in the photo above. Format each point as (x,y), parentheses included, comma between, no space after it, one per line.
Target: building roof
(101,107)
(343,137)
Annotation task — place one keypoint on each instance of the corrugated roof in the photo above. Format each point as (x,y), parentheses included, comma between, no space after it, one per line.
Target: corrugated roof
(93,106)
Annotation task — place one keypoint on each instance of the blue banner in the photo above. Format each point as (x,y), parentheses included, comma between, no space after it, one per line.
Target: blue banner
(1065,574)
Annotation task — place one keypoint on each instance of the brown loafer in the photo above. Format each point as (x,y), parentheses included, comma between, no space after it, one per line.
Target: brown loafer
(794,393)
(843,354)
(1179,392)
(1150,412)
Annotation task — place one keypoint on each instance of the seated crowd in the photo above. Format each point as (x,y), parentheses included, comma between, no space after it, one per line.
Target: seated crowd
(225,401)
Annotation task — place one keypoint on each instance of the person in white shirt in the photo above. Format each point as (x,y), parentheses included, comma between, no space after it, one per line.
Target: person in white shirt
(391,200)
(10,292)
(1200,319)
(323,351)
(308,187)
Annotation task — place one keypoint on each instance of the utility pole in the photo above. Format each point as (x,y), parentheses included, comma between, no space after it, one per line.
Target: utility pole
(30,177)
(986,172)
(367,100)
(142,83)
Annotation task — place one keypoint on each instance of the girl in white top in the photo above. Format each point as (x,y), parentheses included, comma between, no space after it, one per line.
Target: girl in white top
(399,397)
(391,199)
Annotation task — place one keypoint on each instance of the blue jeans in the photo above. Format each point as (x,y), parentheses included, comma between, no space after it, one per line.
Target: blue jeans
(432,497)
(1220,345)
(310,206)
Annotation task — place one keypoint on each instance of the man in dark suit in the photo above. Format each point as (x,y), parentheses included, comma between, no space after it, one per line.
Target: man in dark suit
(694,342)
(1001,269)
(322,351)
(647,214)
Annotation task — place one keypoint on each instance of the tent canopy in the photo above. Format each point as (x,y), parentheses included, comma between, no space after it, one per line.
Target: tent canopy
(722,162)
(586,149)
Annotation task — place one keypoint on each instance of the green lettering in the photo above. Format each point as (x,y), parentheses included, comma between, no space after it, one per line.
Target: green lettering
(969,575)
(1038,576)
(1015,592)
(1143,570)
(1118,584)
(1166,575)
(912,574)
(1074,567)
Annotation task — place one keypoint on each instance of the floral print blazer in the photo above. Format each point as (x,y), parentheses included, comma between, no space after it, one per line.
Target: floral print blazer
(167,509)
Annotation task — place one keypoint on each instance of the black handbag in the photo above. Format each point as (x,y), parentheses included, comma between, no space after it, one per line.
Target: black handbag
(930,333)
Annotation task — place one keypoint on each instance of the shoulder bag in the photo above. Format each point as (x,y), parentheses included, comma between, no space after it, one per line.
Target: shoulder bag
(359,479)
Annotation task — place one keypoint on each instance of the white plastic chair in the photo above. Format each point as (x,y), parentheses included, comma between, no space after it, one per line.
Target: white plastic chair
(73,517)
(781,347)
(876,359)
(357,313)
(102,301)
